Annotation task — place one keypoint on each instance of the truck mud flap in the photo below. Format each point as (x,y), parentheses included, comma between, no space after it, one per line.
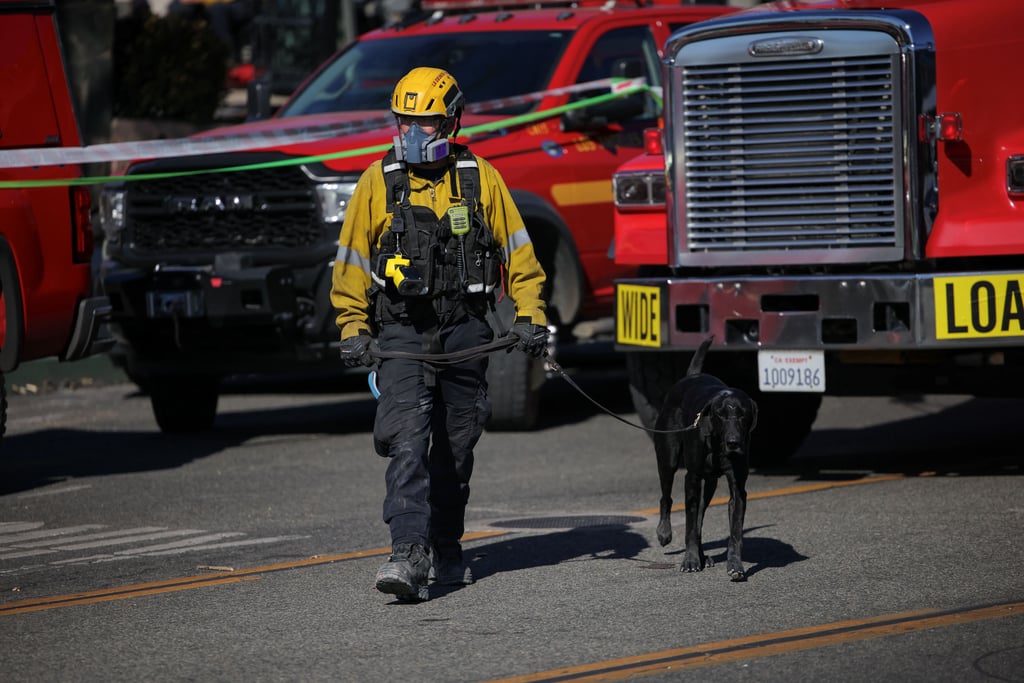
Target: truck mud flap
(91,334)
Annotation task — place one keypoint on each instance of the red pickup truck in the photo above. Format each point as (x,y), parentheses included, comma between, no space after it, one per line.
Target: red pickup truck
(213,273)
(46,239)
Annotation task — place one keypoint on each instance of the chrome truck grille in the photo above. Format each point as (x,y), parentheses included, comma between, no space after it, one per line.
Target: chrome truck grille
(257,209)
(788,159)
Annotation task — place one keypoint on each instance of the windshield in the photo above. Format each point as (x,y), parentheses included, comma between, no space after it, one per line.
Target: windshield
(488,66)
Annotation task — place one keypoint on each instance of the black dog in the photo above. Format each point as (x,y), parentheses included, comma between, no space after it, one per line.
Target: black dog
(705,427)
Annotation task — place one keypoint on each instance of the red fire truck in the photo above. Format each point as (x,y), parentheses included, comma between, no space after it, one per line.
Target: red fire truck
(843,183)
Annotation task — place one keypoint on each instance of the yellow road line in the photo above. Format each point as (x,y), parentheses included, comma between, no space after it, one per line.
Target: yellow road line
(768,644)
(125,593)
(188,582)
(794,490)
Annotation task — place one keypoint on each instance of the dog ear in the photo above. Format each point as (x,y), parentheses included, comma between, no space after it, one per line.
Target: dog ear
(753,416)
(704,423)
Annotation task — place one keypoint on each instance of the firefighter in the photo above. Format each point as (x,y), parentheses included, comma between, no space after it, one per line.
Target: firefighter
(431,236)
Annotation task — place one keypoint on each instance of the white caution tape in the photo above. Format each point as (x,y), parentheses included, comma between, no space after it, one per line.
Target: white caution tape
(212,144)
(286,135)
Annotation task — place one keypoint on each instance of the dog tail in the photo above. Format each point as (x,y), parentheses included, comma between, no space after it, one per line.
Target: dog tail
(697,362)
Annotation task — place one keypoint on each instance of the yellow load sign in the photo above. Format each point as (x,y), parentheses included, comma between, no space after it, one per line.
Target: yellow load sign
(978,306)
(638,315)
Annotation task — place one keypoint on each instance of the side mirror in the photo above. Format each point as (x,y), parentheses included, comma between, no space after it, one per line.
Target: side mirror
(617,110)
(257,99)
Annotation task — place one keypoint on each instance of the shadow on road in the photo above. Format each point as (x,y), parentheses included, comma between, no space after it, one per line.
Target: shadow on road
(47,456)
(585,544)
(759,552)
(976,437)
(43,457)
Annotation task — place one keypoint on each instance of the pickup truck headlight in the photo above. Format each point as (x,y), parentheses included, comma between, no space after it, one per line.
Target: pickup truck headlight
(639,189)
(333,199)
(112,202)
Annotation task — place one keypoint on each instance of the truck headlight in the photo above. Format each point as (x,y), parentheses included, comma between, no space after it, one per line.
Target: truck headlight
(333,200)
(1015,174)
(639,189)
(112,218)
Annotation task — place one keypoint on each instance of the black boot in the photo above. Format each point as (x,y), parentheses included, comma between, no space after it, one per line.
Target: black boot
(449,567)
(404,575)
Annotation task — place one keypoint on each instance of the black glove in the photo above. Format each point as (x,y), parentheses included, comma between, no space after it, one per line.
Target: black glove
(533,339)
(355,351)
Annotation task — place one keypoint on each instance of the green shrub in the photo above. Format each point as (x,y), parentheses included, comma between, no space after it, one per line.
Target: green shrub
(168,68)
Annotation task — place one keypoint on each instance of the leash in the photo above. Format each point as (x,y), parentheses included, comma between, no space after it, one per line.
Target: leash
(562,373)
(452,357)
(455,357)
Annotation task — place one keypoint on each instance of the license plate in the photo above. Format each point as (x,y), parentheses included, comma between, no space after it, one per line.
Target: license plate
(978,306)
(791,371)
(187,304)
(638,315)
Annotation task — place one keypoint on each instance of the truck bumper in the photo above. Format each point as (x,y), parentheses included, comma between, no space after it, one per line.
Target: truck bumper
(218,320)
(855,312)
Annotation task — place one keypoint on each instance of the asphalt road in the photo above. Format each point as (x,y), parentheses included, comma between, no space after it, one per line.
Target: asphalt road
(888,549)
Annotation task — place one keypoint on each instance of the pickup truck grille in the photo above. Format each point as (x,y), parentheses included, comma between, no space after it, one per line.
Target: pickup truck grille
(253,209)
(797,160)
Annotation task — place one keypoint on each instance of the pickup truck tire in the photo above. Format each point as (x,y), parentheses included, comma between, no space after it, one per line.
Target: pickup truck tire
(12,315)
(783,420)
(3,405)
(514,382)
(10,324)
(783,423)
(183,404)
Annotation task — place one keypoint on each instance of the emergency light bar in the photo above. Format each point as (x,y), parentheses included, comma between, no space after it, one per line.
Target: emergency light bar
(464,5)
(653,144)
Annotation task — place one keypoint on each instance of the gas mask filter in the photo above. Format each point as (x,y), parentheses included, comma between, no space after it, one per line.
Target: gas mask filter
(417,147)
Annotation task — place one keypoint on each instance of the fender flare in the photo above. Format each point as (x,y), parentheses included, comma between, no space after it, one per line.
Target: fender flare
(556,250)
(10,286)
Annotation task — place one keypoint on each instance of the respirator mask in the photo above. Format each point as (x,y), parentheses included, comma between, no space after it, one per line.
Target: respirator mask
(418,147)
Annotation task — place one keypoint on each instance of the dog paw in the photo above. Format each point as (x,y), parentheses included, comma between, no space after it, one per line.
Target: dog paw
(664,533)
(693,563)
(736,574)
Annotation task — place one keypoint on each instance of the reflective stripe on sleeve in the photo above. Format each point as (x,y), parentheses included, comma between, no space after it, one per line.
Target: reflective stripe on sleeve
(517,239)
(351,257)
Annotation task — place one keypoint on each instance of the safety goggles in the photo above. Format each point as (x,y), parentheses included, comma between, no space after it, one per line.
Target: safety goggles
(421,121)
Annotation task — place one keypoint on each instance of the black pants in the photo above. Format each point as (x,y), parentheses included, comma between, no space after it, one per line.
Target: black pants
(428,422)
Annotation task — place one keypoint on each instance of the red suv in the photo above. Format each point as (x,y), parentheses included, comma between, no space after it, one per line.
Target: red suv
(212,273)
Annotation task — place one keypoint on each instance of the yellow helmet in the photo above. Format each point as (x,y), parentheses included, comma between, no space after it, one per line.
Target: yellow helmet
(427,91)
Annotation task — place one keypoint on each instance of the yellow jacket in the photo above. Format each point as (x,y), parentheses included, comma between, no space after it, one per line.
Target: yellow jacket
(366,219)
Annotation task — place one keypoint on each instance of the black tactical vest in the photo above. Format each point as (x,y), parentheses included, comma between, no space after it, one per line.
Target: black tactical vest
(423,260)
